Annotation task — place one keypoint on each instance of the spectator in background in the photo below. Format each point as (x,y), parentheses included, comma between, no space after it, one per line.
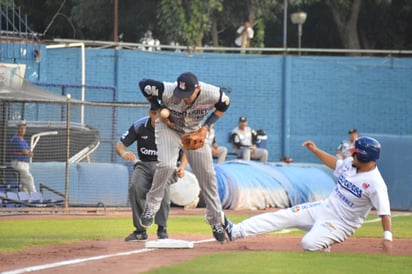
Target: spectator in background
(245,34)
(243,143)
(20,154)
(218,152)
(142,132)
(149,43)
(342,150)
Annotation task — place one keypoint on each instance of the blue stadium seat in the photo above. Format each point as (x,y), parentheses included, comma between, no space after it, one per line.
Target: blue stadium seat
(14,197)
(24,196)
(36,198)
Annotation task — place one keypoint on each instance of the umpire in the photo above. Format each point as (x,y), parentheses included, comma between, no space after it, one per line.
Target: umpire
(142,131)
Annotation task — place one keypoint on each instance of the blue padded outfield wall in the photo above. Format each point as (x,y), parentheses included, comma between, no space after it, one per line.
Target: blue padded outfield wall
(317,98)
(293,98)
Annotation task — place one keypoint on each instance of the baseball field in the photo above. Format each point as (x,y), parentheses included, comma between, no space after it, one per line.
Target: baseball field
(94,243)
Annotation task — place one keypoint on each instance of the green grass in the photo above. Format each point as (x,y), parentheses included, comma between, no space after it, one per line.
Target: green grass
(16,235)
(292,262)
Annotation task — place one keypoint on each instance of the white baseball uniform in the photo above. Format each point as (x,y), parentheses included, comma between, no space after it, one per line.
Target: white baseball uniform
(331,220)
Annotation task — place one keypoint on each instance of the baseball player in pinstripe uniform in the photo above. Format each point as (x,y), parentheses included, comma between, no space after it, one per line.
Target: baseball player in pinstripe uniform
(189,102)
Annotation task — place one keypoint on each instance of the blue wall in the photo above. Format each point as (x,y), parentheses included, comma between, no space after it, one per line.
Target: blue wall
(293,98)
(323,98)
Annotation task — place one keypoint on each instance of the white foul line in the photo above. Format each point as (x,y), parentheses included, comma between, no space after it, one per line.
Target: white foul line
(75,261)
(204,241)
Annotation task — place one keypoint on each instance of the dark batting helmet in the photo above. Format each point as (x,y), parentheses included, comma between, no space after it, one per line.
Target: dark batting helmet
(367,149)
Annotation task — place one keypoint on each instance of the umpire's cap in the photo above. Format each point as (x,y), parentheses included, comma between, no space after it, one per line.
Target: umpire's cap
(186,84)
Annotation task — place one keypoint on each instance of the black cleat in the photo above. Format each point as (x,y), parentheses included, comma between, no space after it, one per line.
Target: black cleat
(219,233)
(162,232)
(137,236)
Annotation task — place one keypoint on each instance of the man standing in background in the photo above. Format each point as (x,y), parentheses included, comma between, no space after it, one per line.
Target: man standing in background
(20,154)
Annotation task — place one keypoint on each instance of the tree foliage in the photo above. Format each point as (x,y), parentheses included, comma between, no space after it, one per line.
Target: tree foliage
(187,21)
(379,24)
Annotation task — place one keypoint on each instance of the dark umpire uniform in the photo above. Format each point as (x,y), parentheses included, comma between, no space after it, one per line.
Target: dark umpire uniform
(142,132)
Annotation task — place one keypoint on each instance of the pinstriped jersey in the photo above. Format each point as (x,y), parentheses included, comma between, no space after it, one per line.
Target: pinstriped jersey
(189,117)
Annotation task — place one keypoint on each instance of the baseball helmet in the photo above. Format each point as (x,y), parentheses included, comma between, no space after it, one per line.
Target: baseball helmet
(367,149)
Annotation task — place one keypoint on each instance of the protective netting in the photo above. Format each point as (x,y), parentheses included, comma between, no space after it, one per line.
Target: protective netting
(60,131)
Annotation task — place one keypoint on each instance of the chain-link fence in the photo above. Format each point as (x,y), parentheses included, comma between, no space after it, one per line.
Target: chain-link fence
(73,142)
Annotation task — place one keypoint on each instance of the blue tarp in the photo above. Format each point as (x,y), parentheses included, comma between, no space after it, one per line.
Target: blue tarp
(255,185)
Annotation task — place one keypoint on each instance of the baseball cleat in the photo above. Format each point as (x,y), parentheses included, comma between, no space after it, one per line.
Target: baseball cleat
(219,233)
(162,232)
(146,220)
(137,236)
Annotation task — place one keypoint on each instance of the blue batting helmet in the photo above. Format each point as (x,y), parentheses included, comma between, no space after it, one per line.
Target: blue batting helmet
(367,149)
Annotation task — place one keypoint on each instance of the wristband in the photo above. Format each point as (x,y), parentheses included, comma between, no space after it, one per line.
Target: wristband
(387,235)
(211,119)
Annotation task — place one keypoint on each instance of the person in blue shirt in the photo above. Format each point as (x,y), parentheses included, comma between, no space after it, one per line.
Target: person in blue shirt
(20,154)
(142,132)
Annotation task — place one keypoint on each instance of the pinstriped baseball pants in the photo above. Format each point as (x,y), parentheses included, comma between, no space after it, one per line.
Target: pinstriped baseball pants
(168,144)
(141,182)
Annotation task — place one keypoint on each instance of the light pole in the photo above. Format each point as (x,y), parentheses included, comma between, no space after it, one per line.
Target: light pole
(299,18)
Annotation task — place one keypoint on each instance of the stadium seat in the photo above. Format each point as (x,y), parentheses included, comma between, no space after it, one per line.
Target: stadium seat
(14,198)
(36,198)
(24,196)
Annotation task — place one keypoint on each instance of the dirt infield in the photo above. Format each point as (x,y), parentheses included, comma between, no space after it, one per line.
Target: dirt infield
(122,257)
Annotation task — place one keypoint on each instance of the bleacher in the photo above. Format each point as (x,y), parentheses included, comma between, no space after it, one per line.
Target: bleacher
(12,196)
(21,199)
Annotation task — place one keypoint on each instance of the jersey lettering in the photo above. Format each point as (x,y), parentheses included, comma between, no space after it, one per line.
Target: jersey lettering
(194,112)
(349,186)
(343,198)
(146,151)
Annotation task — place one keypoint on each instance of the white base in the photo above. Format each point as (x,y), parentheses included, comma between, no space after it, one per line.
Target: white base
(169,243)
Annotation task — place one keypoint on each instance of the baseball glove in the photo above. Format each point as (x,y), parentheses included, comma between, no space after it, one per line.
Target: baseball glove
(195,139)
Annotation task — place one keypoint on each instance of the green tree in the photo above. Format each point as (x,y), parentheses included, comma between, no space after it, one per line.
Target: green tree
(359,24)
(187,21)
(95,19)
(379,24)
